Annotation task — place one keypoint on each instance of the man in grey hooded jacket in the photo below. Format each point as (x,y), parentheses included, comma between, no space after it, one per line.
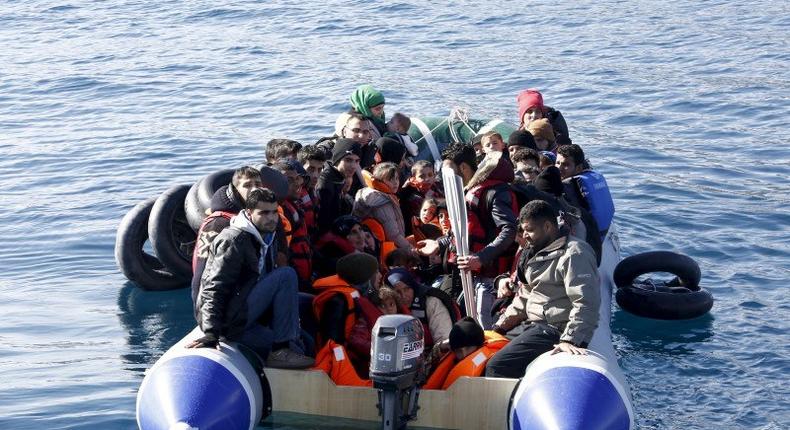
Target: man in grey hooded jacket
(240,283)
(557,305)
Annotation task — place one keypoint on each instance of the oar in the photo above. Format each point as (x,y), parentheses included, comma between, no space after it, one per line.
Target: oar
(456,208)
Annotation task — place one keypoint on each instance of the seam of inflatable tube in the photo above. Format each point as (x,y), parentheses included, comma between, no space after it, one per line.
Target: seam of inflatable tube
(490,125)
(426,133)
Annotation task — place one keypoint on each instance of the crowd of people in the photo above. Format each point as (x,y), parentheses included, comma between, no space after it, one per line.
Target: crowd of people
(300,256)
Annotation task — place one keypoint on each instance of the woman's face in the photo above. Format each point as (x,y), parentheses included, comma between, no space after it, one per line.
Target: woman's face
(377,110)
(532,114)
(406,293)
(357,237)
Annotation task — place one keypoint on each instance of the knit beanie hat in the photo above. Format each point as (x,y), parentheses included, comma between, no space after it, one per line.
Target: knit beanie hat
(466,332)
(527,99)
(522,138)
(343,225)
(550,181)
(275,181)
(541,129)
(390,150)
(357,268)
(345,147)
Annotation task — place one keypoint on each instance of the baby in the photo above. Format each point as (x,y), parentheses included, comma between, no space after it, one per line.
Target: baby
(398,128)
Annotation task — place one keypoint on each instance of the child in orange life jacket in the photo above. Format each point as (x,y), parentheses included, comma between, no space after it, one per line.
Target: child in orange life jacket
(421,185)
(312,159)
(301,253)
(469,350)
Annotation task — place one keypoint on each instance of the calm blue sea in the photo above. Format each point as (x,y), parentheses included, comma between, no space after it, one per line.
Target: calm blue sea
(683,105)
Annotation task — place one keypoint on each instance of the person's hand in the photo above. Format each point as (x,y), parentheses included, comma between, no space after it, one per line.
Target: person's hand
(427,247)
(469,262)
(207,341)
(569,348)
(504,289)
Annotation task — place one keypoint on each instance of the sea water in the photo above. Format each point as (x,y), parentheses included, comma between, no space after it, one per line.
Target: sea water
(682,105)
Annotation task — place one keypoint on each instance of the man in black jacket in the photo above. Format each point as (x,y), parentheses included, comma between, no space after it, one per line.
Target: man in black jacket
(240,283)
(333,182)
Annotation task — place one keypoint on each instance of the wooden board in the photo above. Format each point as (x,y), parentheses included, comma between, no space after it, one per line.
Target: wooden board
(470,403)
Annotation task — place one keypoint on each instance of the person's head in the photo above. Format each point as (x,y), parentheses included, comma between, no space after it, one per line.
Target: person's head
(570,160)
(368,101)
(428,210)
(388,301)
(530,106)
(245,179)
(389,149)
(547,159)
(312,159)
(281,149)
(520,139)
(399,123)
(402,281)
(295,174)
(543,133)
(388,174)
(538,221)
(345,156)
(357,268)
(461,158)
(443,216)
(357,128)
(261,207)
(492,141)
(350,228)
(423,172)
(526,162)
(477,145)
(550,181)
(466,337)
(400,257)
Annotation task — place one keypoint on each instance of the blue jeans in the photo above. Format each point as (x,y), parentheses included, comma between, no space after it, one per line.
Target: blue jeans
(277,290)
(485,297)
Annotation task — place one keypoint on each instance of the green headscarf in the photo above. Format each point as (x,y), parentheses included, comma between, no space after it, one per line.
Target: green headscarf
(364,98)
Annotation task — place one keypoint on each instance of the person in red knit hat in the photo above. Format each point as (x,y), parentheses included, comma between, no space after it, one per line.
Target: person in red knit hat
(531,108)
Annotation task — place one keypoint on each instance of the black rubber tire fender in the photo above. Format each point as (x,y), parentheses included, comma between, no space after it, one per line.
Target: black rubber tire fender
(682,266)
(210,184)
(172,239)
(137,265)
(194,212)
(665,305)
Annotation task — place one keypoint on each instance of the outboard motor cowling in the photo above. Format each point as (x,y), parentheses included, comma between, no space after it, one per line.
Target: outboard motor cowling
(396,365)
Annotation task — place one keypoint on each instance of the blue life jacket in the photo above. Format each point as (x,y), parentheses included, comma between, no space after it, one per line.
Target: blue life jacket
(595,195)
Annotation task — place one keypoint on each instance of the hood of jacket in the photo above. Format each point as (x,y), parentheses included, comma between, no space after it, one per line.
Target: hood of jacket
(226,198)
(494,167)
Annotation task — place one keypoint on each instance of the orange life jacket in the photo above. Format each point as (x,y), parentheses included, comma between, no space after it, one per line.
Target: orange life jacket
(334,360)
(307,203)
(378,232)
(328,287)
(301,254)
(448,371)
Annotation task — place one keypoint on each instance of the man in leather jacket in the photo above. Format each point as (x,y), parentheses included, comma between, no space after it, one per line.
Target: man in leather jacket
(240,283)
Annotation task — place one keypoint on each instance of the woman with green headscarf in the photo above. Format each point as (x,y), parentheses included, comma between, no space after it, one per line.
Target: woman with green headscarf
(369,102)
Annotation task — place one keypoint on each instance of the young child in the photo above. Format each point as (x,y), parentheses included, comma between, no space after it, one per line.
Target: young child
(543,133)
(527,164)
(388,302)
(492,141)
(421,185)
(398,128)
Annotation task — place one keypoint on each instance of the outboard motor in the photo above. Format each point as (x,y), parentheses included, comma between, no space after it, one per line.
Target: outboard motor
(396,367)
